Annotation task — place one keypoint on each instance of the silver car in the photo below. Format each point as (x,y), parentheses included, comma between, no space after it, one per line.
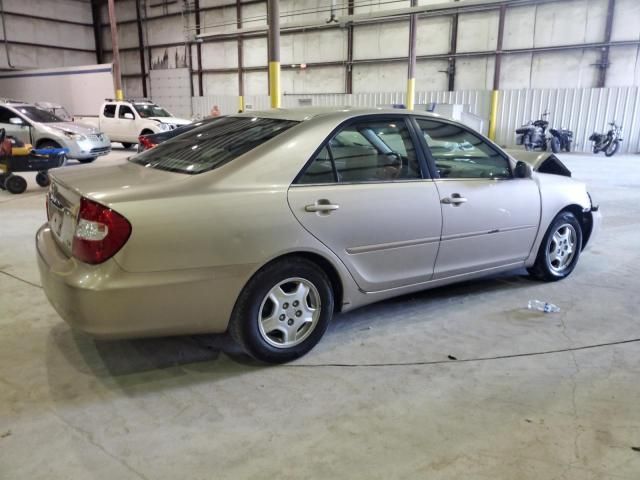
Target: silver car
(267,224)
(42,129)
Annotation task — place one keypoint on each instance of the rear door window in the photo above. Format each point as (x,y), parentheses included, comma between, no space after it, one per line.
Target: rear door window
(212,145)
(366,151)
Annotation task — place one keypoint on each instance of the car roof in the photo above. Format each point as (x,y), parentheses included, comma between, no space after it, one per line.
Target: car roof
(306,113)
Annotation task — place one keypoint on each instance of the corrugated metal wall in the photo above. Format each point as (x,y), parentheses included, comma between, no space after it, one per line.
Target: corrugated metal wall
(478,101)
(583,110)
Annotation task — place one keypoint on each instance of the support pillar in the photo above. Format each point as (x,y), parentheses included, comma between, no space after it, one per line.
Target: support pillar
(117,75)
(273,14)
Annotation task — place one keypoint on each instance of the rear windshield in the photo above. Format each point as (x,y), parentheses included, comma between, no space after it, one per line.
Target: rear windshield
(213,145)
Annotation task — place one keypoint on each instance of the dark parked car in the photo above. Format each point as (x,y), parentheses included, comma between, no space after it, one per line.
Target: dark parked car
(145,142)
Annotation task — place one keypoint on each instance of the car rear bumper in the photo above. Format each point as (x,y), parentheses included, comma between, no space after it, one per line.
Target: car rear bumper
(108,302)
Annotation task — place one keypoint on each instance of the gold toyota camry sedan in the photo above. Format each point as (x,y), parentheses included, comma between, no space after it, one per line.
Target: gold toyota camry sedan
(267,224)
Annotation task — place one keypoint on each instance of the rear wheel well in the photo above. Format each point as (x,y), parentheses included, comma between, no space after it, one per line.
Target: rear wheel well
(585,219)
(326,266)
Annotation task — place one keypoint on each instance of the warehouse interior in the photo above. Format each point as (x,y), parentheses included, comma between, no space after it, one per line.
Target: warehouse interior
(465,379)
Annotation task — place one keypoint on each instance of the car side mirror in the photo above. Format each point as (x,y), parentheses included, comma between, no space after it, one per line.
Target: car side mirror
(129,116)
(521,170)
(16,121)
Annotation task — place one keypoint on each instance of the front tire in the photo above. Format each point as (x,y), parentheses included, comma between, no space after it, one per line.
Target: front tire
(87,160)
(555,145)
(560,249)
(126,145)
(283,311)
(612,149)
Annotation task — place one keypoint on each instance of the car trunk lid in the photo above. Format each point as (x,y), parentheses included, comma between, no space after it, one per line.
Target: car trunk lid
(108,186)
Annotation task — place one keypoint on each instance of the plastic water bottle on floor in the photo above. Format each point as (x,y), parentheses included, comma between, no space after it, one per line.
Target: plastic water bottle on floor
(543,306)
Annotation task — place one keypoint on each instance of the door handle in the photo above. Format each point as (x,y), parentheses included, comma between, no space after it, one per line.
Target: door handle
(321,206)
(455,199)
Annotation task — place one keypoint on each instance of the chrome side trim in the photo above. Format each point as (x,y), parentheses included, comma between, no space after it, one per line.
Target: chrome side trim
(490,232)
(390,245)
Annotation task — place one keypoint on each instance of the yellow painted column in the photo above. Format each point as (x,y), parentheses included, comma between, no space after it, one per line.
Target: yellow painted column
(411,93)
(119,95)
(240,103)
(493,116)
(274,84)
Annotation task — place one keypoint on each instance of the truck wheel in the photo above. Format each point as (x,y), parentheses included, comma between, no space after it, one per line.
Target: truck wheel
(2,177)
(87,160)
(15,184)
(126,145)
(42,179)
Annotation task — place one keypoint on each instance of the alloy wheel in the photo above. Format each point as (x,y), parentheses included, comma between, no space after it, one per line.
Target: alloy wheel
(562,248)
(289,312)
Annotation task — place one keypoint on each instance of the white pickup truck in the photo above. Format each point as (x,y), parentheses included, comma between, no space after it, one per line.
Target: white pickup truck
(124,121)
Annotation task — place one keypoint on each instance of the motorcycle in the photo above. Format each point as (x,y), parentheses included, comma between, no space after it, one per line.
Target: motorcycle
(608,143)
(534,136)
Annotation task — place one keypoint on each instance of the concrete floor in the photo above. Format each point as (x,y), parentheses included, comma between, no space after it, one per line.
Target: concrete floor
(195,408)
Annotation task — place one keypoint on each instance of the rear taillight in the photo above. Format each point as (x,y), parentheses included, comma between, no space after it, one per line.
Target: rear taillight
(100,232)
(146,142)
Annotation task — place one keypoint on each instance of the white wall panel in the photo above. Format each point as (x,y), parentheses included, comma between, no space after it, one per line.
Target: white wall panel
(385,77)
(220,84)
(219,20)
(430,75)
(256,83)
(433,35)
(254,15)
(624,68)
(54,9)
(381,41)
(580,21)
(318,46)
(220,55)
(255,52)
(313,80)
(554,69)
(477,31)
(626,18)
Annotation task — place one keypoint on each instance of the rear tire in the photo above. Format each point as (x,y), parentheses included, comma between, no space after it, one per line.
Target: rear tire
(126,145)
(283,311)
(555,145)
(612,149)
(560,249)
(15,184)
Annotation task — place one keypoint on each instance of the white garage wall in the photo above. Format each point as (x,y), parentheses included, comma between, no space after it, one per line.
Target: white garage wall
(552,24)
(49,40)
